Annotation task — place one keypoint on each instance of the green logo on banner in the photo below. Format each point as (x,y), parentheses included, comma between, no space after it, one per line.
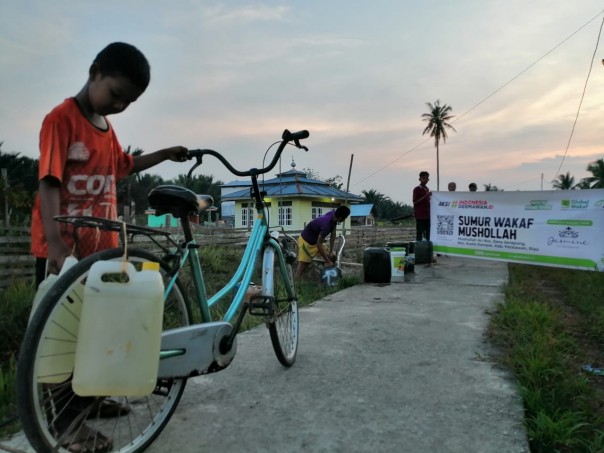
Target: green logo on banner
(538,205)
(574,204)
(570,222)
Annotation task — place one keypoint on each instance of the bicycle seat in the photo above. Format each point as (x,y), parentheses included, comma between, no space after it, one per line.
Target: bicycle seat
(178,201)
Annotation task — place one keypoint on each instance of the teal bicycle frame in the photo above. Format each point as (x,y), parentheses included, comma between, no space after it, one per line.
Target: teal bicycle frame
(259,240)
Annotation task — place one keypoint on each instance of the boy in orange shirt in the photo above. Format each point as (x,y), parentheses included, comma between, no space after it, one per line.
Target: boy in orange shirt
(80,162)
(81,158)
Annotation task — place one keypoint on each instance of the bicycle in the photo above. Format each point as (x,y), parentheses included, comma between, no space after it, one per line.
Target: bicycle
(46,362)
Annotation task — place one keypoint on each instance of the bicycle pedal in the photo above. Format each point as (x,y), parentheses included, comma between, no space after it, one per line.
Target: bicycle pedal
(262,305)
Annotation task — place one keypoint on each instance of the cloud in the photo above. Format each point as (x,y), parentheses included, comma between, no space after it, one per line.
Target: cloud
(228,15)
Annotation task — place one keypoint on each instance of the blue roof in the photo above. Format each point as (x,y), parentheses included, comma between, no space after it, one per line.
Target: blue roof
(237,183)
(295,183)
(360,210)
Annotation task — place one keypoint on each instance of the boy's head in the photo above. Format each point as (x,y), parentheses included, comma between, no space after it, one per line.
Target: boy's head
(452,187)
(342,213)
(424,177)
(119,74)
(121,59)
(472,187)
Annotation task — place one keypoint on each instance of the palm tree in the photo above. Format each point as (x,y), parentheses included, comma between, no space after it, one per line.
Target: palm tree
(384,208)
(437,119)
(492,188)
(596,181)
(373,196)
(377,199)
(564,182)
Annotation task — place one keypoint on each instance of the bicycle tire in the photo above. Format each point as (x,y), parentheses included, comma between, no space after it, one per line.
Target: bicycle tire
(39,402)
(283,326)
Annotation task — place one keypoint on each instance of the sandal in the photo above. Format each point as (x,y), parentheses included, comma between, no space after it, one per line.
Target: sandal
(87,440)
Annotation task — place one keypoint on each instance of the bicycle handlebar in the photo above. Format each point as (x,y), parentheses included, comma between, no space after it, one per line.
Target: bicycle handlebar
(286,137)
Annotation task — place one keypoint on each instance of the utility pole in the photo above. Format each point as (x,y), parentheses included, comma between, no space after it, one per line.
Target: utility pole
(347,187)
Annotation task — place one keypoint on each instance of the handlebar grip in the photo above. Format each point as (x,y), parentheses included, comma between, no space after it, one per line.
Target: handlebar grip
(287,135)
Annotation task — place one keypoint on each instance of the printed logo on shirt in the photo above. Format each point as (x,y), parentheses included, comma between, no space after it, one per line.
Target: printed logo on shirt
(92,195)
(78,152)
(91,184)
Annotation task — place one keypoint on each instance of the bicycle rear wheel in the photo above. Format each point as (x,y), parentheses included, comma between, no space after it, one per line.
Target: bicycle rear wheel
(283,324)
(50,413)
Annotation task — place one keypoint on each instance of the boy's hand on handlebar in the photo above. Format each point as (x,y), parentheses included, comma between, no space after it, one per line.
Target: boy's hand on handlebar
(177,153)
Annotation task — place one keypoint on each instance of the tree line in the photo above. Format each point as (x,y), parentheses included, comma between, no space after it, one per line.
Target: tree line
(17,192)
(595,181)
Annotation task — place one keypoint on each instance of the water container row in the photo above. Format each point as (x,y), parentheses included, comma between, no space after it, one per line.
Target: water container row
(389,264)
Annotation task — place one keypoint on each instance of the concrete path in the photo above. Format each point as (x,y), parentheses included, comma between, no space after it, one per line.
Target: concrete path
(403,367)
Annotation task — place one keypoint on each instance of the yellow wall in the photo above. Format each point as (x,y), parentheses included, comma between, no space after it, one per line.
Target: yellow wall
(301,212)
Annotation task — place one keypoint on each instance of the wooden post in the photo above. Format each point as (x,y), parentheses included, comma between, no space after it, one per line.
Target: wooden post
(6,210)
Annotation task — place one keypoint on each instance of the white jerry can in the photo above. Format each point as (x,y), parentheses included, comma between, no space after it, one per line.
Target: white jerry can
(120,330)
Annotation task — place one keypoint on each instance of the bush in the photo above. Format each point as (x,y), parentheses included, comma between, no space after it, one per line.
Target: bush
(542,340)
(15,303)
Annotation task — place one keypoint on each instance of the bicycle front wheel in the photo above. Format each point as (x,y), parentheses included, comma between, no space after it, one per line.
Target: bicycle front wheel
(53,417)
(283,324)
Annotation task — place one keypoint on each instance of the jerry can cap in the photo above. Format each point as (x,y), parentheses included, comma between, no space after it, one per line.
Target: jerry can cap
(150,266)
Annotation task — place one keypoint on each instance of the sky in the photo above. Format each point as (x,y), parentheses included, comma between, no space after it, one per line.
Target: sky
(231,76)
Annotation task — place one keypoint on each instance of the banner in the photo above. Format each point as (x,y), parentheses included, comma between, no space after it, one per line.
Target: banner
(561,228)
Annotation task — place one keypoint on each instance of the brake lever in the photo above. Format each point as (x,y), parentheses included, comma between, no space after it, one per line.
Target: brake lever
(297,143)
(197,164)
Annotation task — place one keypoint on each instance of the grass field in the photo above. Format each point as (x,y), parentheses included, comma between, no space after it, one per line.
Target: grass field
(550,327)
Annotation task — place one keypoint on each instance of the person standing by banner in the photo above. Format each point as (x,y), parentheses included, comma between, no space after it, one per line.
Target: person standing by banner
(421,207)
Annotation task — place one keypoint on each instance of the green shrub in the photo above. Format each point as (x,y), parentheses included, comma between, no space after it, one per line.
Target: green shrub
(541,348)
(8,407)
(15,303)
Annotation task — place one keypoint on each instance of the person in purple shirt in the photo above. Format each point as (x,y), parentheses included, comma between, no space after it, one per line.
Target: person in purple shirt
(312,238)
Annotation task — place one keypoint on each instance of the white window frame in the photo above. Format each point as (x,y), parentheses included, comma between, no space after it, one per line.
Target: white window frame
(316,212)
(247,216)
(285,215)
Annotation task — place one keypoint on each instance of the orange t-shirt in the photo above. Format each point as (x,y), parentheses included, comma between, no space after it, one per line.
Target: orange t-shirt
(88,162)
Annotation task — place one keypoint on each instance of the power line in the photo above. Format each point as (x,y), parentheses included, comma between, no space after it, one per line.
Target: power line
(581,101)
(389,164)
(490,95)
(532,64)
